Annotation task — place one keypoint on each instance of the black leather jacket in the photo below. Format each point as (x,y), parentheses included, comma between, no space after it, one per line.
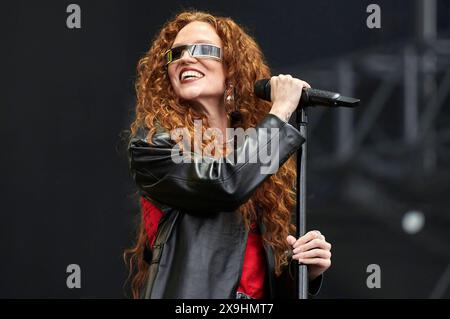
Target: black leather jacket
(206,238)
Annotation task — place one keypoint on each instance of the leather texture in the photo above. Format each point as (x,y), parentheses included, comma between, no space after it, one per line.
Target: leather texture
(202,254)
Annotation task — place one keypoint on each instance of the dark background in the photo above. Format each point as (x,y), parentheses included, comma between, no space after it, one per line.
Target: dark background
(67,99)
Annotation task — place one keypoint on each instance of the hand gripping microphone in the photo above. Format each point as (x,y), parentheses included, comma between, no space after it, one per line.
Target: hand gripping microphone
(310,97)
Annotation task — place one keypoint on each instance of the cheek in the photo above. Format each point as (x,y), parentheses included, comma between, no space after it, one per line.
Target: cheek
(218,77)
(175,85)
(172,76)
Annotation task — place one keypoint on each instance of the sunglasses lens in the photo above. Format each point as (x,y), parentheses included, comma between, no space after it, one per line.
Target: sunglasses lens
(195,50)
(175,53)
(205,50)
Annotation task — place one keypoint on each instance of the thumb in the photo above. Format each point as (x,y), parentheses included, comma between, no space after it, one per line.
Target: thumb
(291,240)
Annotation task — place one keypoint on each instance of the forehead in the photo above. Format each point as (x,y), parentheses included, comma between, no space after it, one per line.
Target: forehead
(197,32)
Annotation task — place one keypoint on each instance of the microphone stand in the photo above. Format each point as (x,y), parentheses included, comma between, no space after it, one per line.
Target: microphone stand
(309,97)
(301,119)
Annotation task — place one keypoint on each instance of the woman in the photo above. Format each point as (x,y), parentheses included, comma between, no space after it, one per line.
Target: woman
(216,228)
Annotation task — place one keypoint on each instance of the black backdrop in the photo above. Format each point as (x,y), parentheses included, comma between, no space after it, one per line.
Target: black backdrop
(67,97)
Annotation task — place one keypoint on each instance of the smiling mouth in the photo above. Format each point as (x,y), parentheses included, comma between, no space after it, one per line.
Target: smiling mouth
(190,76)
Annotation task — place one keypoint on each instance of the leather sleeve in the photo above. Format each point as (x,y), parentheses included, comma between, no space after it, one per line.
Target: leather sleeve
(217,185)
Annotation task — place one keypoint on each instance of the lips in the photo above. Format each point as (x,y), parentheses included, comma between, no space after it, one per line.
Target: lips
(190,79)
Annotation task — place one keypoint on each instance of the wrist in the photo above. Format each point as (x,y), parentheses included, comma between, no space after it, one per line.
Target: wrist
(282,114)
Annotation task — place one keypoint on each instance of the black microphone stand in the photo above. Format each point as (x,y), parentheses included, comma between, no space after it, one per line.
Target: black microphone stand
(301,119)
(309,97)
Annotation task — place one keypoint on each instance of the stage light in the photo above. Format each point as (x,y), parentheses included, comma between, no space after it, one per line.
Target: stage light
(413,222)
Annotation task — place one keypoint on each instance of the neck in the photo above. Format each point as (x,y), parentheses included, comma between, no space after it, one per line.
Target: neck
(217,116)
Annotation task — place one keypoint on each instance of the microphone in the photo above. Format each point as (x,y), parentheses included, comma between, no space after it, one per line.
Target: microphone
(310,97)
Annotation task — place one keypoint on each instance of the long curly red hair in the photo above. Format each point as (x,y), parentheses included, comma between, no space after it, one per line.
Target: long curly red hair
(157,103)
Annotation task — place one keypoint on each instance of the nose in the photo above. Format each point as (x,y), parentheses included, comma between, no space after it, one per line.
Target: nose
(186,57)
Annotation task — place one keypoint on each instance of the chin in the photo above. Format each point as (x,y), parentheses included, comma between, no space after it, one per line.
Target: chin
(190,93)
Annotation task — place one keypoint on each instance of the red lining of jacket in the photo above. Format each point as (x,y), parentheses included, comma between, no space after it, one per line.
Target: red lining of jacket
(253,270)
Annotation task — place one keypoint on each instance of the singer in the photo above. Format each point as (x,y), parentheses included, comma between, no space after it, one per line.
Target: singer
(216,229)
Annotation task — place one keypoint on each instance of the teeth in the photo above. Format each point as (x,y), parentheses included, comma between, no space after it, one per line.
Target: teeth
(191,73)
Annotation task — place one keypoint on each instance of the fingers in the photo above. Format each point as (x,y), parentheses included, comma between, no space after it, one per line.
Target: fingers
(314,253)
(288,76)
(291,240)
(313,250)
(310,242)
(314,234)
(285,93)
(274,80)
(288,84)
(315,243)
(323,263)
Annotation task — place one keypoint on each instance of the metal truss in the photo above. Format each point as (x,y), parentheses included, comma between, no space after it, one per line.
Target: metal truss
(404,91)
(392,153)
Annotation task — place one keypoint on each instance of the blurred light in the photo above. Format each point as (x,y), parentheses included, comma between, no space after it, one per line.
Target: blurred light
(413,222)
